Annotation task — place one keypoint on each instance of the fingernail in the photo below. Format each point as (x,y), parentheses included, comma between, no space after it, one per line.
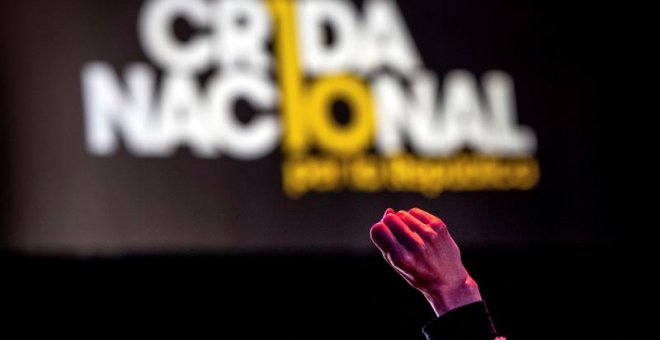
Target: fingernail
(388,211)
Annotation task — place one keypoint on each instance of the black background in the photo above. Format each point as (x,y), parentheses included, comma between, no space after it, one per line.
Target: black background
(569,280)
(549,293)
(64,200)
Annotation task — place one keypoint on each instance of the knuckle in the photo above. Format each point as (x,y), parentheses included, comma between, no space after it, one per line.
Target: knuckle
(438,225)
(406,261)
(390,219)
(433,236)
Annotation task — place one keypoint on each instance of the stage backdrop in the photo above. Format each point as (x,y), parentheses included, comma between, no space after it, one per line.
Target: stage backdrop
(241,126)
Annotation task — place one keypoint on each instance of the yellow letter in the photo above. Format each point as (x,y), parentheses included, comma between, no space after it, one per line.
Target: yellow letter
(290,77)
(351,139)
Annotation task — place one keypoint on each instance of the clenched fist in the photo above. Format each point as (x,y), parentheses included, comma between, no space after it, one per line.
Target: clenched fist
(418,246)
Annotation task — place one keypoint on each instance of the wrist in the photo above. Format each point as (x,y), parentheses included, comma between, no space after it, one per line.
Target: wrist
(445,298)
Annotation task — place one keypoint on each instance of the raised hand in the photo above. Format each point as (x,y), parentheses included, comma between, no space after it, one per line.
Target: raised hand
(418,246)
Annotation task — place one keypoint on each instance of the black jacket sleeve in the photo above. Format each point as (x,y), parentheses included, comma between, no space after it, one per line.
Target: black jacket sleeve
(469,322)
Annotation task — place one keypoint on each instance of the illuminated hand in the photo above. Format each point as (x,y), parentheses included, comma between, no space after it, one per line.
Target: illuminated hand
(418,246)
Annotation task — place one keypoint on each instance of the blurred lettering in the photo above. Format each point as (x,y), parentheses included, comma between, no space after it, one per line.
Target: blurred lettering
(324,52)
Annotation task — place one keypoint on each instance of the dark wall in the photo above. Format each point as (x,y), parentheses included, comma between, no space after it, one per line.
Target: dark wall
(578,291)
(61,199)
(550,293)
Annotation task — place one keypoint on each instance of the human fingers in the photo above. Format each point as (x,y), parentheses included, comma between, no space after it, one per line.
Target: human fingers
(388,211)
(431,220)
(403,234)
(385,240)
(422,229)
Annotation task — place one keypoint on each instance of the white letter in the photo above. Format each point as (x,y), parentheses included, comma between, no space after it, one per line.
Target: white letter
(158,40)
(387,41)
(243,28)
(184,120)
(463,113)
(245,142)
(110,110)
(505,138)
(392,114)
(319,58)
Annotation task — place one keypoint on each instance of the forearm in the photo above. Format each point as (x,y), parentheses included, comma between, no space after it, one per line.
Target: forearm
(418,246)
(471,321)
(446,298)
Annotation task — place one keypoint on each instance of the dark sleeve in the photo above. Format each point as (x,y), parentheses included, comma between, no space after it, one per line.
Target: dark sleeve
(469,322)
